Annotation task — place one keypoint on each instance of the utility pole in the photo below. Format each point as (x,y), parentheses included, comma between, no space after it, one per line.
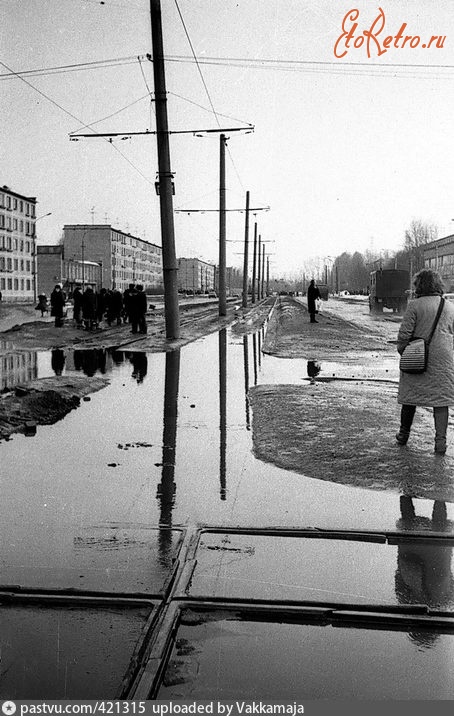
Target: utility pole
(267,275)
(246,252)
(259,253)
(254,262)
(82,246)
(222,260)
(169,261)
(263,271)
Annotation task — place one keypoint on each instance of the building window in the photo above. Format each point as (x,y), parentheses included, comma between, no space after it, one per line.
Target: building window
(10,284)
(27,209)
(15,224)
(27,247)
(2,221)
(22,284)
(8,242)
(8,202)
(15,244)
(2,284)
(21,246)
(2,263)
(28,284)
(16,284)
(2,200)
(22,264)
(33,210)
(16,264)
(14,203)
(21,207)
(9,264)
(21,226)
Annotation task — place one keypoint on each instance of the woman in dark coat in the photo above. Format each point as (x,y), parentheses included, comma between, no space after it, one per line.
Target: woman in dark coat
(57,302)
(435,387)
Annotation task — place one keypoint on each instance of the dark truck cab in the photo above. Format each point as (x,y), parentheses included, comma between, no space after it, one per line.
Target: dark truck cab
(388,288)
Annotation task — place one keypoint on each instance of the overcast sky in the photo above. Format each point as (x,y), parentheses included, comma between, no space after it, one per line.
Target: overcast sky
(346,150)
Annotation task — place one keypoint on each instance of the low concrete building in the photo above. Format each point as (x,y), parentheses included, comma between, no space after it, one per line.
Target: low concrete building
(53,268)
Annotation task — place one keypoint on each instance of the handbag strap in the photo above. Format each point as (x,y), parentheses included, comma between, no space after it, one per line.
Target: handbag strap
(440,308)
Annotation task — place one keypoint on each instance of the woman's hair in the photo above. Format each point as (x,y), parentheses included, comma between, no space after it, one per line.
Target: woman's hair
(428,283)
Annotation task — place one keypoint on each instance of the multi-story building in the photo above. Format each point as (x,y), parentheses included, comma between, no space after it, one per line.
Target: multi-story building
(53,268)
(123,258)
(439,256)
(196,275)
(17,245)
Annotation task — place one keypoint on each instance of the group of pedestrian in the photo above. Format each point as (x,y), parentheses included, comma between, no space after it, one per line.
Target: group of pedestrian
(91,308)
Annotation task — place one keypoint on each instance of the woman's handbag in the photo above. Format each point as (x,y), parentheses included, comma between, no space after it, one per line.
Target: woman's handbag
(416,354)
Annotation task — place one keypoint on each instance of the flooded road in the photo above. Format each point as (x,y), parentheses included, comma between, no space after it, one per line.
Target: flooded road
(99,503)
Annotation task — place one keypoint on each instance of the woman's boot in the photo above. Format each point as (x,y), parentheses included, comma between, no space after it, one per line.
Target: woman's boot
(441,426)
(406,419)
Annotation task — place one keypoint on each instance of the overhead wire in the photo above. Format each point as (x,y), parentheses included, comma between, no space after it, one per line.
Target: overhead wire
(75,67)
(206,88)
(70,114)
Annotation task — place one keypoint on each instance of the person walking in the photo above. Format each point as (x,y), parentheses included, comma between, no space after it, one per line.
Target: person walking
(115,307)
(77,306)
(312,294)
(57,302)
(435,387)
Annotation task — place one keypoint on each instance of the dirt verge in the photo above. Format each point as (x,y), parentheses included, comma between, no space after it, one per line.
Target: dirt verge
(44,402)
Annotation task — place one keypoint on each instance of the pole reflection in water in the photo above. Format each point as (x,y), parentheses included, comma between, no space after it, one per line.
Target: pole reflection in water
(254,352)
(166,488)
(223,410)
(246,380)
(423,574)
(260,348)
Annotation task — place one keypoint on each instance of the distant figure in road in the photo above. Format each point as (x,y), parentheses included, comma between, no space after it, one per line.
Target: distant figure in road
(89,308)
(312,294)
(77,306)
(42,304)
(102,304)
(138,310)
(435,387)
(57,302)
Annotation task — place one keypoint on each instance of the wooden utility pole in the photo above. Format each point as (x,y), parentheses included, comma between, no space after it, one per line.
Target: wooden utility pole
(263,271)
(267,275)
(254,262)
(246,252)
(259,253)
(169,260)
(222,266)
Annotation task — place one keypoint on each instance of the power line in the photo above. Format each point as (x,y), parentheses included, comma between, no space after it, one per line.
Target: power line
(96,64)
(70,114)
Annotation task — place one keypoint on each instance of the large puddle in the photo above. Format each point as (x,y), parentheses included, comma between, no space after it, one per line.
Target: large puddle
(88,503)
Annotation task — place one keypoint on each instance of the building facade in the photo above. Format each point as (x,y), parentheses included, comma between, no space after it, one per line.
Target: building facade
(53,268)
(196,275)
(439,256)
(17,245)
(123,258)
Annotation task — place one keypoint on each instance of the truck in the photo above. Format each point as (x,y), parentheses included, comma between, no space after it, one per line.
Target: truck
(388,288)
(324,291)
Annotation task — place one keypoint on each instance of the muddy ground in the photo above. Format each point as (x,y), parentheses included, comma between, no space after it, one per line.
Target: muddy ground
(44,402)
(291,335)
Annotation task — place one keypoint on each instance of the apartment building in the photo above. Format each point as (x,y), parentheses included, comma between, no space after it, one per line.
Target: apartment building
(439,256)
(195,275)
(17,245)
(123,258)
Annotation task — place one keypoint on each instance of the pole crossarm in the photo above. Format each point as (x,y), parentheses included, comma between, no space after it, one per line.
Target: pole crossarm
(206,211)
(127,135)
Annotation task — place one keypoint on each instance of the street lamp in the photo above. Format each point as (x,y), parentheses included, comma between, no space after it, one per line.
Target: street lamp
(34,255)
